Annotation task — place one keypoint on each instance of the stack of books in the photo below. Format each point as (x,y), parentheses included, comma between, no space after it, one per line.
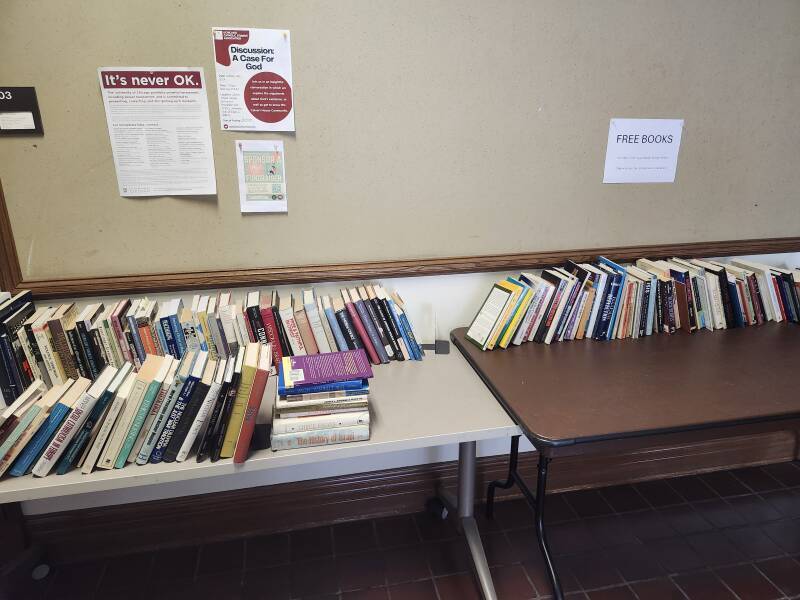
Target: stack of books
(322,399)
(57,343)
(166,411)
(608,301)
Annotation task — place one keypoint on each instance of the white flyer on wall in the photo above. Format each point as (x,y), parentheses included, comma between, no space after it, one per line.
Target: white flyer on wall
(254,78)
(159,129)
(262,176)
(642,150)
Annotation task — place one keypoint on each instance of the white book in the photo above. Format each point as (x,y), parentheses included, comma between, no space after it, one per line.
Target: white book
(72,424)
(242,334)
(314,320)
(285,425)
(572,281)
(326,327)
(109,422)
(51,362)
(213,377)
(27,349)
(538,291)
(227,318)
(764,277)
(322,437)
(541,311)
(286,314)
(29,395)
(168,365)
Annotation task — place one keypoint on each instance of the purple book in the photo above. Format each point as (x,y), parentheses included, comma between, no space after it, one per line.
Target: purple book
(326,368)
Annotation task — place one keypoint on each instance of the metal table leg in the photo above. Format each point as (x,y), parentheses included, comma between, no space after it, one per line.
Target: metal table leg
(537,502)
(466,507)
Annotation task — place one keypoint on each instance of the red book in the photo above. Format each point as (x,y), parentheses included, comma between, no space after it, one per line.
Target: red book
(778,294)
(360,330)
(253,404)
(271,328)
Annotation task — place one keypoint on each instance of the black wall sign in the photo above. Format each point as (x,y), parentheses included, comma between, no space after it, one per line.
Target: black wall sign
(19,111)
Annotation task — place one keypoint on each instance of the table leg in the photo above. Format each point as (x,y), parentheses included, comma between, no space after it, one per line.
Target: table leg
(541,487)
(466,507)
(503,485)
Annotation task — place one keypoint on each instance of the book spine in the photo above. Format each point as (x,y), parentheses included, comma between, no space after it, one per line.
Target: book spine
(197,424)
(338,336)
(300,424)
(193,405)
(385,322)
(292,331)
(169,337)
(257,325)
(215,414)
(405,333)
(158,422)
(136,426)
(148,423)
(26,348)
(13,443)
(271,333)
(37,355)
(757,307)
(65,433)
(378,325)
(106,345)
(607,308)
(371,332)
(225,418)
(173,420)
(82,437)
(116,326)
(326,327)
(88,353)
(110,339)
(237,412)
(97,348)
(177,335)
(315,322)
(61,346)
(306,334)
(643,316)
(53,369)
(361,332)
(133,331)
(352,339)
(249,417)
(12,384)
(324,437)
(30,454)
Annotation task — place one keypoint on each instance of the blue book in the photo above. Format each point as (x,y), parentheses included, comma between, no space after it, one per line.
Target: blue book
(738,314)
(177,335)
(167,337)
(137,341)
(37,444)
(350,384)
(341,342)
(412,350)
(607,307)
(623,276)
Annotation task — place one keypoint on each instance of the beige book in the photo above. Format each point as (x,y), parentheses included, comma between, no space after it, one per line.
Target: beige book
(109,423)
(249,367)
(147,373)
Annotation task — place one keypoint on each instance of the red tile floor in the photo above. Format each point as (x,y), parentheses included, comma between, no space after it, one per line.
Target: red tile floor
(726,535)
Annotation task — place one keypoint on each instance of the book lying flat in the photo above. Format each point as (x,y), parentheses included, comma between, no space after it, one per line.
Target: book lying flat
(298,371)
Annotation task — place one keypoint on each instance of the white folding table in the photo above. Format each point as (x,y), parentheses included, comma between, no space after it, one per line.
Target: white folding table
(414,405)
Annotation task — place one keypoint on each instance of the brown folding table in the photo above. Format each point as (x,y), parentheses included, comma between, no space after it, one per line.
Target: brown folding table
(583,397)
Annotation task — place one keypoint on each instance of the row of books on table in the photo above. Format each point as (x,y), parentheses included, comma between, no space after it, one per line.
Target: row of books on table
(174,408)
(57,343)
(605,300)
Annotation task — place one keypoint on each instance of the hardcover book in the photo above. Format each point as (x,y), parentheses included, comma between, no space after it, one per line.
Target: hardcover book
(254,403)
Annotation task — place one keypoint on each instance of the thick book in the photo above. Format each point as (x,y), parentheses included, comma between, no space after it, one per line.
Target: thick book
(215,383)
(27,407)
(190,412)
(183,400)
(302,372)
(108,424)
(485,321)
(271,329)
(398,310)
(7,308)
(253,405)
(208,436)
(71,425)
(305,439)
(383,336)
(249,368)
(393,326)
(155,408)
(227,408)
(336,330)
(364,328)
(304,327)
(348,329)
(284,425)
(315,321)
(60,321)
(385,319)
(253,311)
(81,439)
(287,317)
(139,417)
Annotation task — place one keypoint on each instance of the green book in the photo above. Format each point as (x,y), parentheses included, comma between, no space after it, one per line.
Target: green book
(141,414)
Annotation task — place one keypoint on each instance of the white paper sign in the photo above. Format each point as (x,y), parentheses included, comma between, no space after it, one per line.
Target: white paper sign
(642,150)
(17,120)
(254,78)
(262,175)
(159,129)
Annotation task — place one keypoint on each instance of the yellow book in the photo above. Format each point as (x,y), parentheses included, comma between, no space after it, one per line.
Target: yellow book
(249,367)
(515,290)
(518,315)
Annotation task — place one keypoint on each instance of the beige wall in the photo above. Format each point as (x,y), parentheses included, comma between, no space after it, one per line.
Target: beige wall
(423,129)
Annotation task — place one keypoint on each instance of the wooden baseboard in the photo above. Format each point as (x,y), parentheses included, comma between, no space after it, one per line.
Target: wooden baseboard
(76,535)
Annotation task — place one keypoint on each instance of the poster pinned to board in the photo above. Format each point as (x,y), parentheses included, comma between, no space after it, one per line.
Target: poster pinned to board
(159,129)
(262,176)
(254,78)
(642,150)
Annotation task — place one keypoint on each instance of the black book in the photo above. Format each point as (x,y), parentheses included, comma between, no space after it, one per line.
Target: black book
(283,339)
(349,332)
(659,306)
(560,284)
(186,420)
(88,351)
(257,324)
(18,366)
(209,436)
(790,293)
(388,347)
(225,416)
(645,304)
(98,349)
(77,351)
(786,297)
(391,326)
(8,308)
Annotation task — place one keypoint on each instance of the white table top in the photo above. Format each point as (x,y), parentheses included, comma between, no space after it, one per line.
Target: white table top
(435,402)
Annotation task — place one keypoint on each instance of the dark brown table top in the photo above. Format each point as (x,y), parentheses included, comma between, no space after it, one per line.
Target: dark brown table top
(582,391)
